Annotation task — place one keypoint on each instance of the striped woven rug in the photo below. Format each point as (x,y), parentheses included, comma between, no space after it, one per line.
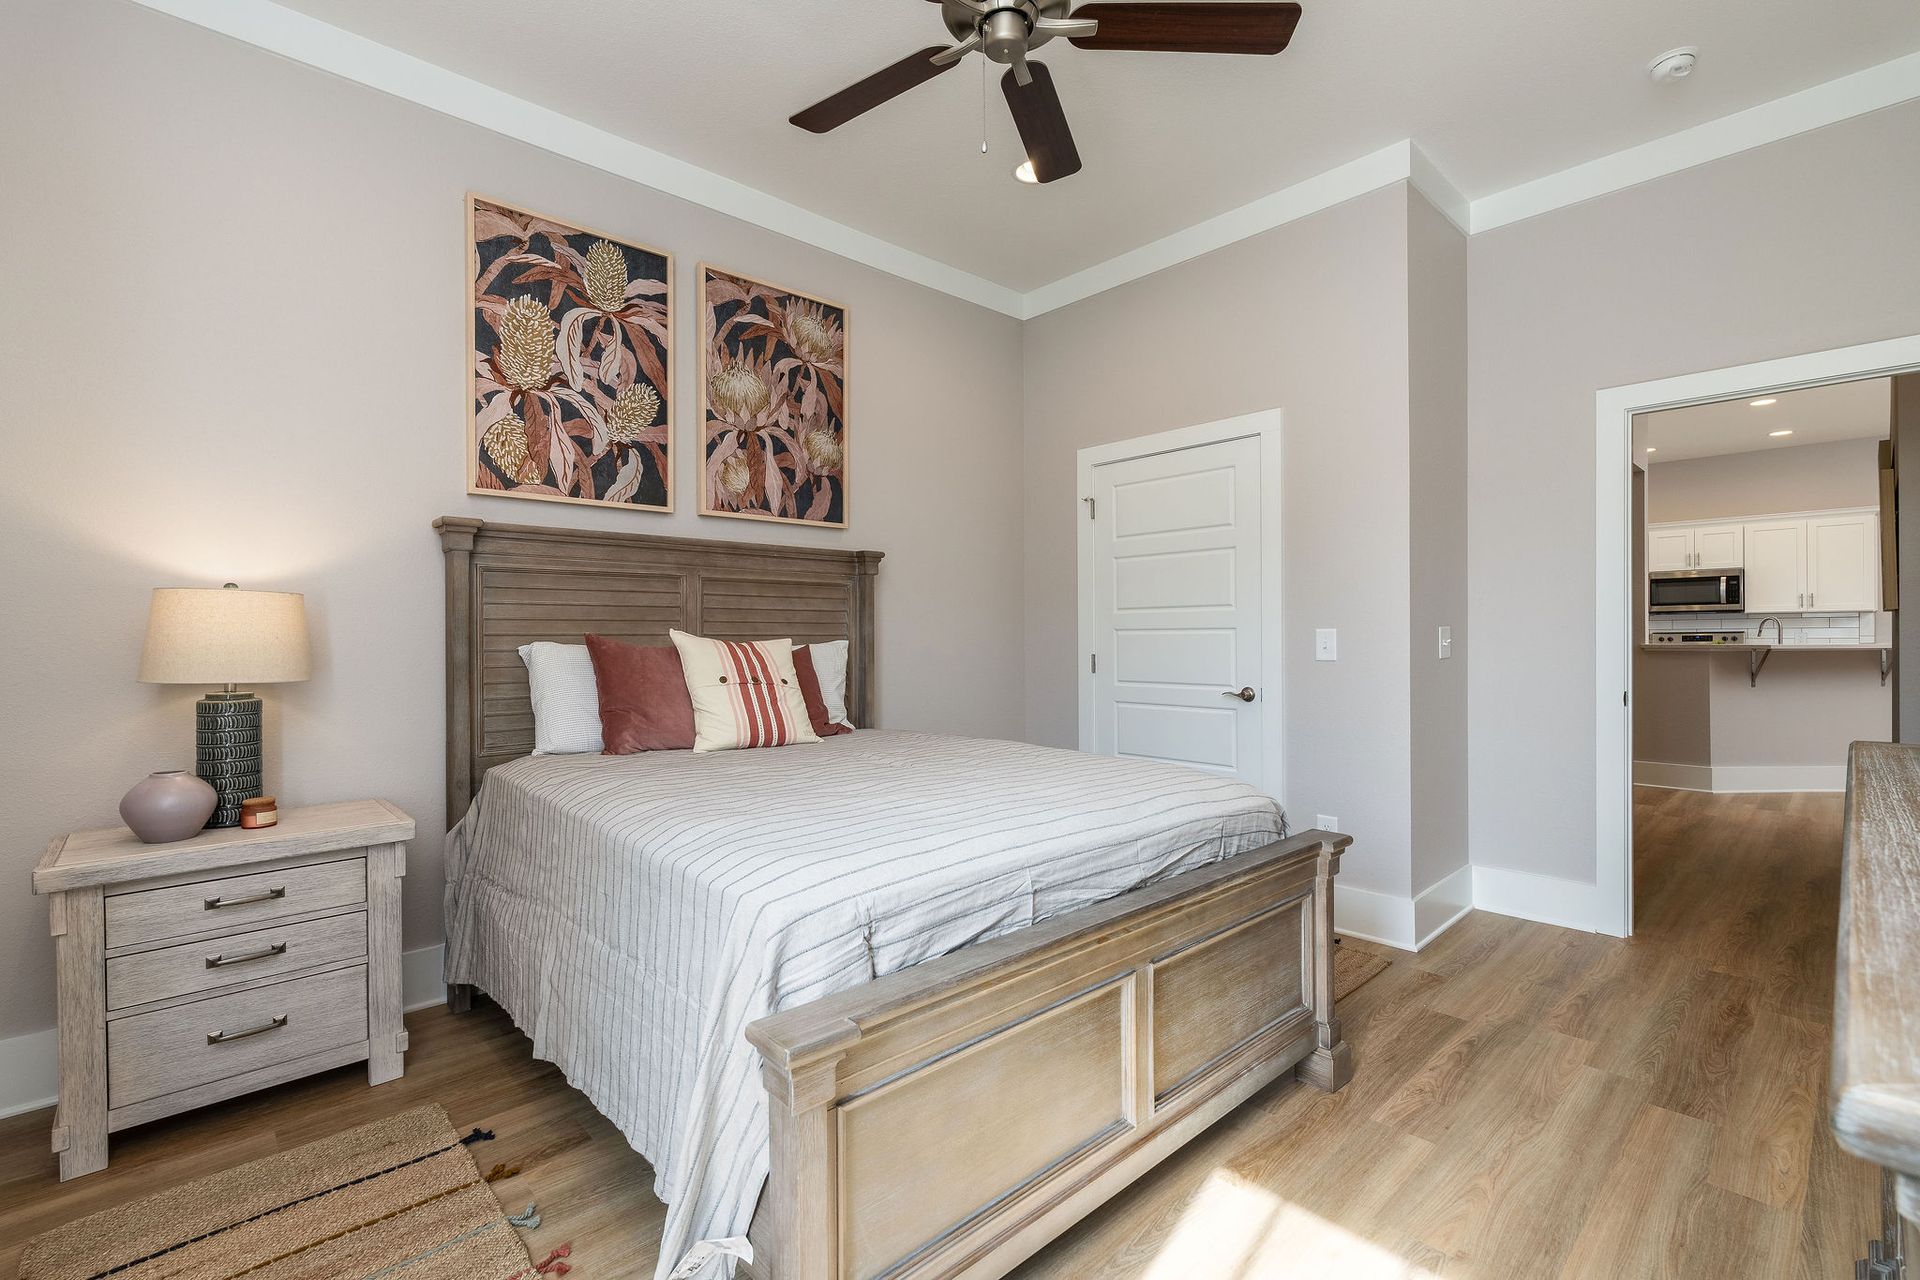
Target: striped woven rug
(398,1199)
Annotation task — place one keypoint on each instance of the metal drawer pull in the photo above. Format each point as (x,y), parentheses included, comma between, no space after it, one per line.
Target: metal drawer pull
(222,960)
(214,904)
(223,1037)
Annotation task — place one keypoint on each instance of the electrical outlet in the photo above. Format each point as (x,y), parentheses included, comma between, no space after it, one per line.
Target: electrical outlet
(1326,822)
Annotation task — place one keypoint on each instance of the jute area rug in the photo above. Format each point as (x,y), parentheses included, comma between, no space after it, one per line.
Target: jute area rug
(399,1199)
(1354,969)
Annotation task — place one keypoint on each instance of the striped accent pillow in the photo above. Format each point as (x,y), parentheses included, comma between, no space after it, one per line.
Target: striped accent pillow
(745,693)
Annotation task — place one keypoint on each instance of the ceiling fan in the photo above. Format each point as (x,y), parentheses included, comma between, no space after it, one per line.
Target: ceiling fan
(1008,31)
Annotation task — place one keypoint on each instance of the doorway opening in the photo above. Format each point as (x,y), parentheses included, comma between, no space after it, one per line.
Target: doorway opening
(1669,658)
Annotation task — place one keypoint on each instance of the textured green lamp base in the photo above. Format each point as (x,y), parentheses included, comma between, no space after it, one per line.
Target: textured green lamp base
(227,751)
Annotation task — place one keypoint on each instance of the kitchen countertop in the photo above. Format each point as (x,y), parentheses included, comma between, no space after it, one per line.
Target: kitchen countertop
(1867,647)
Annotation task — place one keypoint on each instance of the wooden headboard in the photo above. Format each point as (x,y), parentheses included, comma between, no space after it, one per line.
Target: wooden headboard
(510,584)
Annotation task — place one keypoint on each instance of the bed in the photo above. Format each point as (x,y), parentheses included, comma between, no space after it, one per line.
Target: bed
(909,1004)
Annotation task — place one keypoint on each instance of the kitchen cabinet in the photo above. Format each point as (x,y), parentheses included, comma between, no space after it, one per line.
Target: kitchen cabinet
(1824,562)
(1843,562)
(1695,546)
(1776,568)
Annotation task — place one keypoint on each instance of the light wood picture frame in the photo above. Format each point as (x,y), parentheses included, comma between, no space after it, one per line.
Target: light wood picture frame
(773,402)
(570,361)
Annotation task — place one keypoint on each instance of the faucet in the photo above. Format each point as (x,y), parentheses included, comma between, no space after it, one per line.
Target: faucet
(1779,632)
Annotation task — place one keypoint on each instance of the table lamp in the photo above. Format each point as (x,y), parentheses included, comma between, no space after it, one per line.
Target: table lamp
(228,637)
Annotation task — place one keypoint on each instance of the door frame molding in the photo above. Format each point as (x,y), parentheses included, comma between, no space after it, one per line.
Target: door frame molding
(1266,426)
(1615,626)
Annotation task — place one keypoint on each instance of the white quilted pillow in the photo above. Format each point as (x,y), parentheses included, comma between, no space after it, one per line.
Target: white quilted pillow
(566,698)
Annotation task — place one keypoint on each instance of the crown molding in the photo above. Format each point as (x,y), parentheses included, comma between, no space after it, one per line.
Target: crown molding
(328,48)
(1886,85)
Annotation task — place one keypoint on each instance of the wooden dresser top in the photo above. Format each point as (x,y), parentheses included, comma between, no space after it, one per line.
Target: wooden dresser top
(1876,1029)
(114,855)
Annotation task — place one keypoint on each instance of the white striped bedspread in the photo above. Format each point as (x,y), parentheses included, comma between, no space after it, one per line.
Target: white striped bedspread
(635,913)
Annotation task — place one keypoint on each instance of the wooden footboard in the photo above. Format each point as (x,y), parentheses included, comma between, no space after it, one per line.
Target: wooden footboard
(950,1119)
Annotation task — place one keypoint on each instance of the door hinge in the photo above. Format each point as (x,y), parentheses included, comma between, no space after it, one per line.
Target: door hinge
(1623,697)
(1093,664)
(1092,508)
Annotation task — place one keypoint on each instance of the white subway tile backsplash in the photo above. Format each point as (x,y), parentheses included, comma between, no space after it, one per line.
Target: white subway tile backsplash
(1797,628)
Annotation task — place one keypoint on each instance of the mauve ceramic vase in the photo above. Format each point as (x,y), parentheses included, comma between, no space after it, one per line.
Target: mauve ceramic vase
(170,805)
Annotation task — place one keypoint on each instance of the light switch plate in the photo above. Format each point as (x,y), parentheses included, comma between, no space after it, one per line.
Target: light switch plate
(1446,643)
(1326,645)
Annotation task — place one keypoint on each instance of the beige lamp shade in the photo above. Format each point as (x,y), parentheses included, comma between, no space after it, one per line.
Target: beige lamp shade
(223,635)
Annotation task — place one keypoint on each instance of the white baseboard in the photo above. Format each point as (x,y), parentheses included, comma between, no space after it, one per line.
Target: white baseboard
(29,1064)
(1406,923)
(1547,899)
(1674,777)
(1440,906)
(1728,779)
(1372,916)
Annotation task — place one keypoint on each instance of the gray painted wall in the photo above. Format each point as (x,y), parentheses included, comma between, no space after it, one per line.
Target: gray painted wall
(1437,428)
(1798,246)
(233,339)
(1312,318)
(1814,477)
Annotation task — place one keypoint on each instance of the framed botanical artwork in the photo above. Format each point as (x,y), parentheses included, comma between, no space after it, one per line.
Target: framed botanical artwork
(773,402)
(571,350)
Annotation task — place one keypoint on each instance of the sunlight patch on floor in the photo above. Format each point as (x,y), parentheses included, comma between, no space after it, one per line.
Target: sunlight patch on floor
(1235,1230)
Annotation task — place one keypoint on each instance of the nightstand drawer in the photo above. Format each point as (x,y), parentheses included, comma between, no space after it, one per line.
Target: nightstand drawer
(233,902)
(232,958)
(192,1044)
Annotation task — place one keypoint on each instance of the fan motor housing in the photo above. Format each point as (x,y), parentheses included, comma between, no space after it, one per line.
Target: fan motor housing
(1007,30)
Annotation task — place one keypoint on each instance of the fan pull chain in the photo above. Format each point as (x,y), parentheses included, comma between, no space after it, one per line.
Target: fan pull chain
(983,104)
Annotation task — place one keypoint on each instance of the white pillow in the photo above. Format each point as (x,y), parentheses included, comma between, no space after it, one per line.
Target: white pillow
(566,698)
(830,664)
(744,693)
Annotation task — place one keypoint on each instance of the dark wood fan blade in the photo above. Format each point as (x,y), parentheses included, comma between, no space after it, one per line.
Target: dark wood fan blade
(882,86)
(1190,28)
(1042,123)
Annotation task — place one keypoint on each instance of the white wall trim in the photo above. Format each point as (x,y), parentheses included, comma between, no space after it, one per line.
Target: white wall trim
(1369,173)
(1547,899)
(339,52)
(1266,426)
(1738,779)
(29,1064)
(1370,916)
(353,57)
(1672,777)
(1440,906)
(1616,630)
(1886,85)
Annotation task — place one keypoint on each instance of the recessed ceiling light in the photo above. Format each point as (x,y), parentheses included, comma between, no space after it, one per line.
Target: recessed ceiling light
(1764,401)
(1025,172)
(1780,433)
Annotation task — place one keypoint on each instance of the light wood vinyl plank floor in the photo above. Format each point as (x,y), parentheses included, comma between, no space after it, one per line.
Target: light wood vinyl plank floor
(1527,1101)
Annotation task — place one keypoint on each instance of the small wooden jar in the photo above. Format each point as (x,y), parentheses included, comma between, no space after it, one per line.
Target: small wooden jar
(261,811)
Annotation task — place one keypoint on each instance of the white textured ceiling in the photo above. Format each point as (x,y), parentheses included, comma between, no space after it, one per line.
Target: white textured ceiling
(1815,415)
(1496,91)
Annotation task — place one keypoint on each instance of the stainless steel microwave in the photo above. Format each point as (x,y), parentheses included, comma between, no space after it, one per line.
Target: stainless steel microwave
(1695,591)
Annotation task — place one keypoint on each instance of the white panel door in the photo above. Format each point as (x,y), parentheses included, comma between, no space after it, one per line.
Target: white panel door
(1177,608)
(1669,549)
(1843,569)
(1719,546)
(1776,568)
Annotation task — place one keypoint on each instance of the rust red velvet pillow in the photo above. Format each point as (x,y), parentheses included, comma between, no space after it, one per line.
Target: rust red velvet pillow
(810,691)
(644,703)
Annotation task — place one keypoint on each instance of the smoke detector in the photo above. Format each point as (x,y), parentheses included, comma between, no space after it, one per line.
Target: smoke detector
(1674,64)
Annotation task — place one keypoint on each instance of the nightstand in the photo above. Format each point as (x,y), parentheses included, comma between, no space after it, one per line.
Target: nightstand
(213,966)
